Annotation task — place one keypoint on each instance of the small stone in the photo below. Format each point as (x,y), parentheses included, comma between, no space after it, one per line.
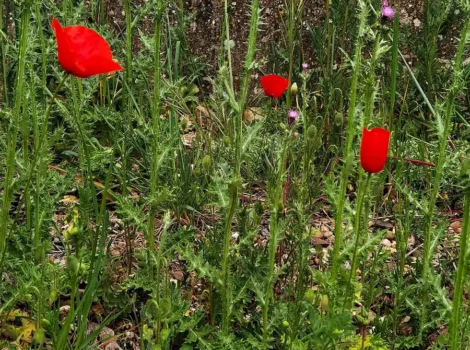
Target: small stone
(390,235)
(386,243)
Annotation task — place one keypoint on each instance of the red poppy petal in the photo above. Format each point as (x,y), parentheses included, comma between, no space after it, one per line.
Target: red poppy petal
(98,65)
(83,52)
(65,57)
(274,85)
(374,149)
(86,42)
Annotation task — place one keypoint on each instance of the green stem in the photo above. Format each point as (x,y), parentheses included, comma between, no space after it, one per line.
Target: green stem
(461,277)
(402,245)
(3,28)
(13,135)
(233,187)
(357,231)
(294,18)
(225,256)
(273,241)
(348,152)
(441,160)
(43,49)
(329,38)
(227,43)
(155,138)
(303,219)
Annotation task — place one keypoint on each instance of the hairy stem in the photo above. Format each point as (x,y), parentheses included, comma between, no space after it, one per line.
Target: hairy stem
(350,134)
(233,187)
(450,104)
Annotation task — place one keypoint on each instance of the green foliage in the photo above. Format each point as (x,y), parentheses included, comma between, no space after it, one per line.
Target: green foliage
(148,201)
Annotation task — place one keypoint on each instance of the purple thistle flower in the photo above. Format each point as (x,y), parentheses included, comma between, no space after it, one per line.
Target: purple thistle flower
(293,115)
(387,11)
(305,67)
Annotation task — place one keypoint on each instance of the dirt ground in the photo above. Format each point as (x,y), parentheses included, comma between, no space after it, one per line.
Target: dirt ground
(205,29)
(207,16)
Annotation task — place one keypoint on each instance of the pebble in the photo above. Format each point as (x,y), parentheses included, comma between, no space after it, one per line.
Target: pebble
(390,235)
(386,243)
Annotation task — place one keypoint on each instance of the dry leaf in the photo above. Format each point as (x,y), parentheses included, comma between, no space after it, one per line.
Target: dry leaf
(188,139)
(254,113)
(69,200)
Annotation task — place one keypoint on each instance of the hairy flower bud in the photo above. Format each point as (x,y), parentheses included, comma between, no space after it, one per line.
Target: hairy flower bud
(294,89)
(311,132)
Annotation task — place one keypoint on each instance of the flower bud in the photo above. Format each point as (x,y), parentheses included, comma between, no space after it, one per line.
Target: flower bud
(184,123)
(206,162)
(294,89)
(311,132)
(309,295)
(72,265)
(324,303)
(338,119)
(52,296)
(39,336)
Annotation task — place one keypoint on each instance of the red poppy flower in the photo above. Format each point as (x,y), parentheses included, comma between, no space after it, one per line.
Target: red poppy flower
(83,52)
(274,85)
(374,149)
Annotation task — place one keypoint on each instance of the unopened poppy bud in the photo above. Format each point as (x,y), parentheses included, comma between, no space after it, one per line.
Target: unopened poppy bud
(184,123)
(285,324)
(52,296)
(338,119)
(206,161)
(309,295)
(324,303)
(39,336)
(226,141)
(311,132)
(294,89)
(72,265)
